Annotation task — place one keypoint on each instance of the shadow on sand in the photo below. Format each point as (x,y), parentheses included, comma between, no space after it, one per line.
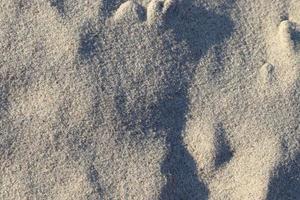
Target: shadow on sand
(200,29)
(286,183)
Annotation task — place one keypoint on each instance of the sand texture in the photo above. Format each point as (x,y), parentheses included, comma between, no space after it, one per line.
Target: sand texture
(149,99)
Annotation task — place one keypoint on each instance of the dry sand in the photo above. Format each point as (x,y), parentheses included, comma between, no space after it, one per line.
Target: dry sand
(149,99)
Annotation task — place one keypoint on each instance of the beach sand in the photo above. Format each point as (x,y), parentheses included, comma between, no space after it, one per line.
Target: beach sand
(150,99)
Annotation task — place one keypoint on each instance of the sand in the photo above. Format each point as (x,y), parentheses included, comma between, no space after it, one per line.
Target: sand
(150,99)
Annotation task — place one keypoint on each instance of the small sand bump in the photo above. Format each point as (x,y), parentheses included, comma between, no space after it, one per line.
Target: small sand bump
(283,53)
(267,74)
(287,31)
(169,5)
(131,10)
(155,11)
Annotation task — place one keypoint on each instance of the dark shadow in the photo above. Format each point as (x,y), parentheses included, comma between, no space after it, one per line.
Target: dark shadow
(216,69)
(223,149)
(285,184)
(295,36)
(90,50)
(7,137)
(200,29)
(285,181)
(179,166)
(3,100)
(89,44)
(93,177)
(59,5)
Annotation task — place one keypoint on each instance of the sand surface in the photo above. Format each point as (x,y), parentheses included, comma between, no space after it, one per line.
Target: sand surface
(149,99)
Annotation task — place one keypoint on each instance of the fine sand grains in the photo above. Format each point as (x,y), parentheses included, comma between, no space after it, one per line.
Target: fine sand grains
(149,99)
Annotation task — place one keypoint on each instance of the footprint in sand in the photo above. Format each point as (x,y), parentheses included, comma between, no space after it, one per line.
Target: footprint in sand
(283,69)
(263,149)
(250,160)
(154,47)
(268,145)
(285,178)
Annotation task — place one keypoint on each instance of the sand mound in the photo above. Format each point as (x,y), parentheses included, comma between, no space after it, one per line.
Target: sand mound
(149,99)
